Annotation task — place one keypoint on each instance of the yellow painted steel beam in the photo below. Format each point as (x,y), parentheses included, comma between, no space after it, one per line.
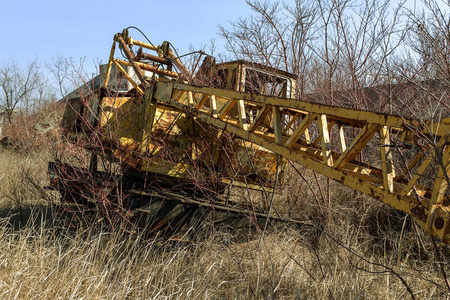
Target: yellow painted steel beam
(262,114)
(226,109)
(213,106)
(300,130)
(110,62)
(419,172)
(342,138)
(291,122)
(351,115)
(387,164)
(413,163)
(325,140)
(442,177)
(277,125)
(356,146)
(319,138)
(149,68)
(125,73)
(131,57)
(202,101)
(142,44)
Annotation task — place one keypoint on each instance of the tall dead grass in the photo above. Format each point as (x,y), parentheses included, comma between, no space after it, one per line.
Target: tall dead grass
(357,249)
(339,258)
(43,262)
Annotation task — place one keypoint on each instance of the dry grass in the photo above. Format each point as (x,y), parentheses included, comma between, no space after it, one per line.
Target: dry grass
(357,250)
(46,263)
(41,260)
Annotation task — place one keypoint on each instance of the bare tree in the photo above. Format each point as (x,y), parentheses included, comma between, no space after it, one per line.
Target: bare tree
(17,85)
(275,35)
(61,72)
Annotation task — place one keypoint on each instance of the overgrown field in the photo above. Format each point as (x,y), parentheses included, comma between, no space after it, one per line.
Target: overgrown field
(356,248)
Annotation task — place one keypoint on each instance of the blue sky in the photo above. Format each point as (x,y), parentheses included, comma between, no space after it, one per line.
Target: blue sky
(41,29)
(44,28)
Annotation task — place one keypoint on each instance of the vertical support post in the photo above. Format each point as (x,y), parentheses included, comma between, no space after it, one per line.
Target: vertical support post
(150,105)
(325,140)
(110,62)
(441,184)
(241,105)
(215,113)
(277,125)
(387,165)
(342,138)
(242,115)
(307,136)
(440,187)
(190,99)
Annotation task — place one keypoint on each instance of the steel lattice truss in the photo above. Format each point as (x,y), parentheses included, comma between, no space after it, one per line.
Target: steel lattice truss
(428,205)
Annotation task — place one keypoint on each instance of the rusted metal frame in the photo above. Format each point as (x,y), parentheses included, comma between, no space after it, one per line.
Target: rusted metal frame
(339,120)
(407,135)
(307,120)
(278,130)
(202,101)
(441,183)
(135,85)
(356,167)
(141,44)
(333,112)
(150,68)
(436,220)
(262,114)
(240,83)
(168,130)
(110,62)
(131,57)
(108,103)
(165,107)
(151,104)
(160,60)
(356,146)
(406,204)
(180,66)
(319,138)
(220,206)
(325,140)
(247,185)
(368,178)
(291,122)
(179,95)
(360,170)
(412,164)
(226,109)
(387,164)
(311,152)
(417,175)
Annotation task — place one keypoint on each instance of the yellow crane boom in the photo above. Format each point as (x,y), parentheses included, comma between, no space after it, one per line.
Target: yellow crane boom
(327,139)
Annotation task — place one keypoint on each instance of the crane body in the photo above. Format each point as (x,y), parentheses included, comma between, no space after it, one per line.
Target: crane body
(238,123)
